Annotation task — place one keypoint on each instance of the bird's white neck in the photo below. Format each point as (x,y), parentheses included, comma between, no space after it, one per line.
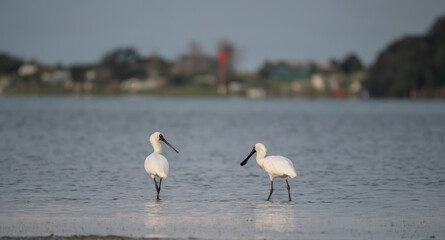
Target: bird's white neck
(260,154)
(156,145)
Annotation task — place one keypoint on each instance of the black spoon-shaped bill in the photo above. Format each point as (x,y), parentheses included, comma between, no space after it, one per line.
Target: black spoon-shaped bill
(163,139)
(247,158)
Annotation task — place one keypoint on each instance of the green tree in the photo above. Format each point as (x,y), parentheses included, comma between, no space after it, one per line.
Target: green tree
(265,70)
(413,63)
(436,36)
(9,64)
(121,61)
(351,64)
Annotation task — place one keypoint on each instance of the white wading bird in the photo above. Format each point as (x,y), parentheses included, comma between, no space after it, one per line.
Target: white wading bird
(155,164)
(275,166)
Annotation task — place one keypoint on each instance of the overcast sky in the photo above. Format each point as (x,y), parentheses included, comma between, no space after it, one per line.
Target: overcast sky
(67,32)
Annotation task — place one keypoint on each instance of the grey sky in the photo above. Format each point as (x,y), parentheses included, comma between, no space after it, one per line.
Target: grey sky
(69,32)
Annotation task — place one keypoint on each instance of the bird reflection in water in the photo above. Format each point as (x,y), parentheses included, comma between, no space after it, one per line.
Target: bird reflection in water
(154,219)
(275,216)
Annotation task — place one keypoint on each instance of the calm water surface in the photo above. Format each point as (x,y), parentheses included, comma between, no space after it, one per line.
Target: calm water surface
(366,169)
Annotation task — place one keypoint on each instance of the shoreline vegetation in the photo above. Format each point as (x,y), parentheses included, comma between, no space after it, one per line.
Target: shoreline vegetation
(410,67)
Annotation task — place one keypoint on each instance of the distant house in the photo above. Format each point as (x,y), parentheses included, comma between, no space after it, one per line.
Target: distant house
(356,86)
(191,65)
(153,66)
(134,85)
(56,77)
(84,73)
(318,82)
(5,81)
(27,70)
(290,71)
(195,62)
(236,87)
(300,86)
(256,92)
(205,79)
(327,82)
(323,67)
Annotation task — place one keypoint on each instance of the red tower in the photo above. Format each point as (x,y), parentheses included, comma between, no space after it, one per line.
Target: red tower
(222,73)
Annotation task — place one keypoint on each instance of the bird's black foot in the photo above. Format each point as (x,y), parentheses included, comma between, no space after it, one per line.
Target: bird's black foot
(271,190)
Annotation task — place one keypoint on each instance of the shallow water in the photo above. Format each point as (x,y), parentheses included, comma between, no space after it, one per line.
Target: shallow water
(366,169)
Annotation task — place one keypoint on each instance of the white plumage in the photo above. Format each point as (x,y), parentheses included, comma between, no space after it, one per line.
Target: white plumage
(155,164)
(275,166)
(278,166)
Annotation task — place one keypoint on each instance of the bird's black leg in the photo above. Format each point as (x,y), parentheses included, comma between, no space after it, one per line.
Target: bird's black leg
(157,188)
(288,190)
(156,183)
(271,190)
(160,181)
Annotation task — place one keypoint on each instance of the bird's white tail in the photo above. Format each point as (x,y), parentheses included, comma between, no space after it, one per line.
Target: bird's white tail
(292,174)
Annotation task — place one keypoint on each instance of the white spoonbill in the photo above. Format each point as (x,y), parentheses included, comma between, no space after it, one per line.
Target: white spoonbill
(155,164)
(275,166)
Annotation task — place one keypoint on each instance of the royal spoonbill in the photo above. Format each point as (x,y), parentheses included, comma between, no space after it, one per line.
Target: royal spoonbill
(155,164)
(275,166)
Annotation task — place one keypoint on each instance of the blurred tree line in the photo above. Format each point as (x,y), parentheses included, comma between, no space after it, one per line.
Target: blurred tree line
(9,64)
(413,66)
